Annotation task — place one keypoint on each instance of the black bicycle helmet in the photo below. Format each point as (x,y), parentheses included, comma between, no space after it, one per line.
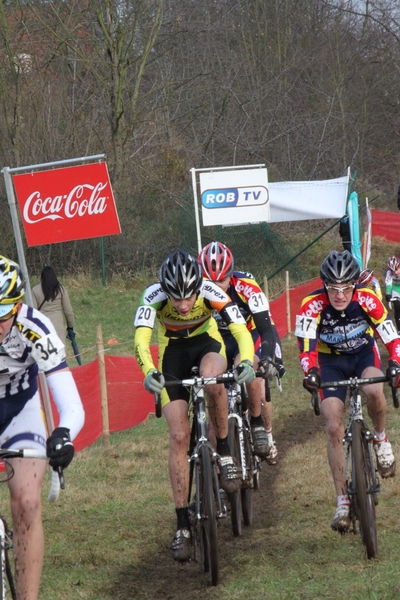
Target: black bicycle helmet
(11,282)
(180,275)
(340,267)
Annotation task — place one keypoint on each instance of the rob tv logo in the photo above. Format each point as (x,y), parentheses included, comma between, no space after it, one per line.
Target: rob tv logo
(240,196)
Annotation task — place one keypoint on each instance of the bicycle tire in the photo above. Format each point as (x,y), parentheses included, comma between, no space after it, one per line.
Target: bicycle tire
(365,502)
(208,533)
(247,493)
(235,499)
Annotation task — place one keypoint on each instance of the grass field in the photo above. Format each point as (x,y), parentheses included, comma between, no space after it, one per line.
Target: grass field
(107,537)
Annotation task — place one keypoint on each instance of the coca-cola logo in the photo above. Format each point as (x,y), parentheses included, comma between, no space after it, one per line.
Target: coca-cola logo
(83,199)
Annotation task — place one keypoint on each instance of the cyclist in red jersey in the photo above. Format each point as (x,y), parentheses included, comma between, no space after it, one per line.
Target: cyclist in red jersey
(335,330)
(217,264)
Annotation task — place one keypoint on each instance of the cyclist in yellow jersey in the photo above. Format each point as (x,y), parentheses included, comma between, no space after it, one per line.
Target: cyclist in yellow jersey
(188,335)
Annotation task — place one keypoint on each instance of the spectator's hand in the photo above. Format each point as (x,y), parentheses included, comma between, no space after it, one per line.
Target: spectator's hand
(70,333)
(59,448)
(393,373)
(388,297)
(312,381)
(154,381)
(244,372)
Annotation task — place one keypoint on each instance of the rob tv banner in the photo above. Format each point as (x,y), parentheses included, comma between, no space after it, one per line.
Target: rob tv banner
(66,204)
(233,197)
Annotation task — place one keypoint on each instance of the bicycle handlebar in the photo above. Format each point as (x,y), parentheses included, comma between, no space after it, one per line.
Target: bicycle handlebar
(57,477)
(355,383)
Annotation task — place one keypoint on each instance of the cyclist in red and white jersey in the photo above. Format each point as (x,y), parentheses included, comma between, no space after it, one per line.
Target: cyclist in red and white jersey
(217,263)
(336,335)
(28,342)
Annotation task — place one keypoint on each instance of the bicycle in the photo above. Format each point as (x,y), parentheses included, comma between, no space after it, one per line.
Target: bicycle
(242,448)
(7,584)
(204,500)
(361,480)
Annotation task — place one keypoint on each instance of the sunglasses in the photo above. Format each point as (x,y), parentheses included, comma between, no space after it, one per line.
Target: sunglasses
(9,314)
(338,290)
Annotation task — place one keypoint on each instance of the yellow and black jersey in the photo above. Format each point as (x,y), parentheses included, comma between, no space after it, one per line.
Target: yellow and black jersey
(156,304)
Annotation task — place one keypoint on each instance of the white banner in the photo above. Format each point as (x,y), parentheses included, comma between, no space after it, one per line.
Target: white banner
(234,197)
(302,200)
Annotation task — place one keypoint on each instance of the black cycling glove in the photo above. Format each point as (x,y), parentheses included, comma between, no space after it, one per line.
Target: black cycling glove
(312,381)
(59,448)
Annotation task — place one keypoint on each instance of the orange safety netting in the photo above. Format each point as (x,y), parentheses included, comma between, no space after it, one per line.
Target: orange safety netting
(385,224)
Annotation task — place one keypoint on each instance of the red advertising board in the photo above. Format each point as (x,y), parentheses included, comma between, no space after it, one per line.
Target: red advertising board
(66,204)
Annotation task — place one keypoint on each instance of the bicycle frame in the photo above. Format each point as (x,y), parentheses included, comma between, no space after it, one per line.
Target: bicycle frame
(361,480)
(207,506)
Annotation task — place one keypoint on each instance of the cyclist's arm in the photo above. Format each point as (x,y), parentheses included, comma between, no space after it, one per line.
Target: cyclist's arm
(388,283)
(151,301)
(383,325)
(142,349)
(67,400)
(307,337)
(259,308)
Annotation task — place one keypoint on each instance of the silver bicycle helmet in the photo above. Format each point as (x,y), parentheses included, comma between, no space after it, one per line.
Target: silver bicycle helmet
(180,275)
(340,267)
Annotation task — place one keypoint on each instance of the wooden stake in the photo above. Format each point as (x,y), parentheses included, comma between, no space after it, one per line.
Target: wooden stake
(103,385)
(266,287)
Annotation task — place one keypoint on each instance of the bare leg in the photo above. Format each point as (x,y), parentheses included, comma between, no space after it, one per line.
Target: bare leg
(217,397)
(176,414)
(333,409)
(266,411)
(26,510)
(376,399)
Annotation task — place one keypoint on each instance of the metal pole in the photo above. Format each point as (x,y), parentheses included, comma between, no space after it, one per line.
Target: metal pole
(17,233)
(196,209)
(103,267)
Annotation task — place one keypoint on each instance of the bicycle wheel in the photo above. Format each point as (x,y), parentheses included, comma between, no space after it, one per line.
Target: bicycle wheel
(247,492)
(208,525)
(363,481)
(6,571)
(235,498)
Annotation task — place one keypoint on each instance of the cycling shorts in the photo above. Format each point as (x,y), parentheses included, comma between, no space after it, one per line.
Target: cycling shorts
(232,349)
(180,355)
(334,367)
(27,428)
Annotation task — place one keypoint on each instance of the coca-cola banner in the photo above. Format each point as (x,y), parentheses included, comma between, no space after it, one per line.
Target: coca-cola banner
(66,204)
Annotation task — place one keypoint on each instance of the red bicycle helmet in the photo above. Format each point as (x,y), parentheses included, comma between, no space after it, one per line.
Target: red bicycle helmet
(216,261)
(366,276)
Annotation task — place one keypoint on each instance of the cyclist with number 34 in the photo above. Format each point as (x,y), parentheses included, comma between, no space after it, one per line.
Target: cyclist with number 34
(188,336)
(28,342)
(335,330)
